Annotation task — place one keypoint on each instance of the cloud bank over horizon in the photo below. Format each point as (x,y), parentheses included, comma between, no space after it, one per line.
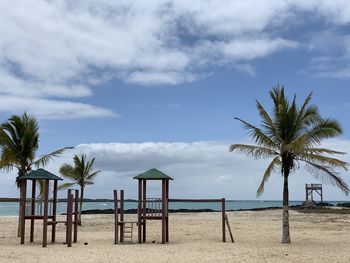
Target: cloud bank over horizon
(60,53)
(200,170)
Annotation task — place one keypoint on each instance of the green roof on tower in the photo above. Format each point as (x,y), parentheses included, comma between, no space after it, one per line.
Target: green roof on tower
(153,174)
(39,174)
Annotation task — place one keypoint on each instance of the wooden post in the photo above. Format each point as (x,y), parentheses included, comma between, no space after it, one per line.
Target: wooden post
(23,209)
(122,216)
(69,219)
(46,207)
(229,228)
(163,212)
(116,227)
(139,227)
(76,216)
(223,211)
(167,210)
(144,211)
(32,211)
(306,193)
(54,211)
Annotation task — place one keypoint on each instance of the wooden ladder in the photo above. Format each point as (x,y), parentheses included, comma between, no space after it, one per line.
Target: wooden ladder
(128,232)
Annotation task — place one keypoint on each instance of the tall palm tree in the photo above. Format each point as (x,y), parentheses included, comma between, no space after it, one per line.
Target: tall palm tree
(80,174)
(19,141)
(293,136)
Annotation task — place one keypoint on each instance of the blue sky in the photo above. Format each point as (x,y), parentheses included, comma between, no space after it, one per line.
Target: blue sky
(116,76)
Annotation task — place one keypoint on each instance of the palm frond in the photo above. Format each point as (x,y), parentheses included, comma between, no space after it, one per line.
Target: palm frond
(254,151)
(19,138)
(93,175)
(323,151)
(313,136)
(320,159)
(326,129)
(270,169)
(304,106)
(89,167)
(68,171)
(327,175)
(310,116)
(258,135)
(264,115)
(43,160)
(6,167)
(5,139)
(65,186)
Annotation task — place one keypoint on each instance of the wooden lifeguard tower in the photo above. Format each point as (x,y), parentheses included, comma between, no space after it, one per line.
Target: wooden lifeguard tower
(153,208)
(44,209)
(310,188)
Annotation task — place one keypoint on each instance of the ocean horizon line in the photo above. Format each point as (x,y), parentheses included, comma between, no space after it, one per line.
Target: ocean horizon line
(14,199)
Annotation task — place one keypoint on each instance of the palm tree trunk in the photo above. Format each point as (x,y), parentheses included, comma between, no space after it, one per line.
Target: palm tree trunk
(21,189)
(285,228)
(81,204)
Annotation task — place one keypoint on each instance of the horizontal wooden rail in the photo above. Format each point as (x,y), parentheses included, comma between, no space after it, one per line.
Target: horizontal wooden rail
(4,199)
(37,217)
(196,200)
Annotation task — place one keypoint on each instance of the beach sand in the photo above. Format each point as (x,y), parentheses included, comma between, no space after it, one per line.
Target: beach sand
(194,237)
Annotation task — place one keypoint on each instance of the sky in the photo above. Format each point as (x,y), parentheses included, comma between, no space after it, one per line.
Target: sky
(157,84)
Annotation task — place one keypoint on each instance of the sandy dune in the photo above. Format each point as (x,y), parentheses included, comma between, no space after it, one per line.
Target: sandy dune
(194,238)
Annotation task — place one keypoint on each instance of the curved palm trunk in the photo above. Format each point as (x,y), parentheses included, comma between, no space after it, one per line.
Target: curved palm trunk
(285,228)
(81,204)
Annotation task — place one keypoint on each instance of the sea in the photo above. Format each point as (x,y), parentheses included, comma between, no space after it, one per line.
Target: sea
(11,208)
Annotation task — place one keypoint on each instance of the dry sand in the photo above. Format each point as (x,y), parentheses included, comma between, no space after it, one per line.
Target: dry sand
(194,237)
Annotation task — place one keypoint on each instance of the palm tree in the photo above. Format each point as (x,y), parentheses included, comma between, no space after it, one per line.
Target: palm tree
(81,174)
(19,140)
(292,136)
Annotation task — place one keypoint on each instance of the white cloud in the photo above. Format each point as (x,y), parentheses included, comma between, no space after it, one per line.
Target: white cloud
(254,48)
(44,99)
(52,109)
(231,17)
(331,45)
(159,78)
(240,50)
(343,73)
(199,169)
(61,49)
(335,59)
(246,69)
(12,85)
(62,39)
(336,12)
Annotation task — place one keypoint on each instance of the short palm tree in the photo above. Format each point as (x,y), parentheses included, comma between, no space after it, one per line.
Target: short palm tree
(292,136)
(80,174)
(19,141)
